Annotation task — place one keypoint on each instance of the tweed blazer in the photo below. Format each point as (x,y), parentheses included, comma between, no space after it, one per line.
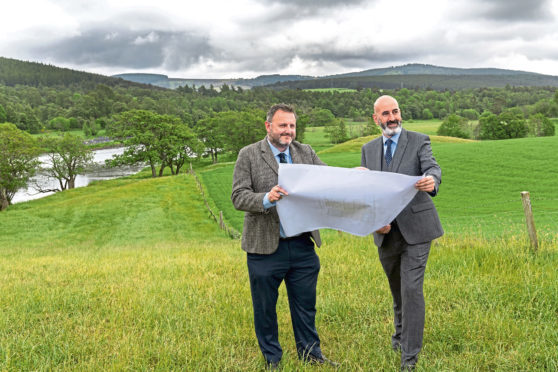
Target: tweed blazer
(418,221)
(255,173)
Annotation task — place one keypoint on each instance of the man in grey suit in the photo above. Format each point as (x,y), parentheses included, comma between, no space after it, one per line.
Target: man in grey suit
(272,257)
(404,244)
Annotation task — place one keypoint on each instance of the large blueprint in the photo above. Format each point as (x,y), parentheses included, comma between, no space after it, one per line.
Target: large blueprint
(353,200)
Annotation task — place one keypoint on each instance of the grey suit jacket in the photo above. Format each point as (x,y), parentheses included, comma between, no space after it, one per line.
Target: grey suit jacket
(255,173)
(418,221)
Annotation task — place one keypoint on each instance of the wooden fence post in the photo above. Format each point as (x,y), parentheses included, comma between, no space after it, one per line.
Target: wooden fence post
(529,219)
(221,222)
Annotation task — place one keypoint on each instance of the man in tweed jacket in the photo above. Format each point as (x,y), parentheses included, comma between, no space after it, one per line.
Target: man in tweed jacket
(271,256)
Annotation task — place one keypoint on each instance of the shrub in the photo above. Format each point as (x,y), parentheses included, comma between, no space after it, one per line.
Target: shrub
(454,126)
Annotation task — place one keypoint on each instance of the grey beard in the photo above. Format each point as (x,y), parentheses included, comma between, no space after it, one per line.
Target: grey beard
(388,132)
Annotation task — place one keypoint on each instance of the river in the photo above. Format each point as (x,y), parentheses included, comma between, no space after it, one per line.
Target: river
(99,173)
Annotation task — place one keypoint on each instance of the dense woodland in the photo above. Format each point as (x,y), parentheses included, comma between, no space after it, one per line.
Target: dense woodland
(37,97)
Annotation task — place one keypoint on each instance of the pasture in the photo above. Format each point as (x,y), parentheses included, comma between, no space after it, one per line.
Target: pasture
(132,274)
(481,184)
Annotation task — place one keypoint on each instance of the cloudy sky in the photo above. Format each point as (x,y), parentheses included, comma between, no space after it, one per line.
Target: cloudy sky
(247,38)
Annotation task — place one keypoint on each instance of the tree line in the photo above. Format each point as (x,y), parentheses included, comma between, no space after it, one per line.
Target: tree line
(167,128)
(39,108)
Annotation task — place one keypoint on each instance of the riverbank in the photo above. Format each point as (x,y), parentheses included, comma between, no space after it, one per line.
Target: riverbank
(96,173)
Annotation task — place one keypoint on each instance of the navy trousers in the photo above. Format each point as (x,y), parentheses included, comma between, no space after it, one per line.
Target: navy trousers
(296,263)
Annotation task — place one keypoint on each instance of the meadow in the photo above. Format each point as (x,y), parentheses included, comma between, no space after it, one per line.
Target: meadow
(481,186)
(133,274)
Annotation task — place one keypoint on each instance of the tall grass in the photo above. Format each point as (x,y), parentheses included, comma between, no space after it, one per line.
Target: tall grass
(185,305)
(132,274)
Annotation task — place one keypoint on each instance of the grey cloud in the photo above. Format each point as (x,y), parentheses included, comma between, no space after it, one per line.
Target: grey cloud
(322,55)
(354,57)
(315,4)
(514,10)
(131,49)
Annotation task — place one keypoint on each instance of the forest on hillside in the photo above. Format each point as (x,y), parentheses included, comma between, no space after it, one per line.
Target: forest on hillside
(37,98)
(33,108)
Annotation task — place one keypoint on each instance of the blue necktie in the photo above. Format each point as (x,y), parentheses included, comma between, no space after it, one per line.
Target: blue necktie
(388,151)
(282,157)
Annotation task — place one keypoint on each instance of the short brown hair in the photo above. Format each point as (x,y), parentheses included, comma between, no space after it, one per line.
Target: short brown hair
(278,107)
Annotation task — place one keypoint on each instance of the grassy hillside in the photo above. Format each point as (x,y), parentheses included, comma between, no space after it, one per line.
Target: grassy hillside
(131,274)
(481,184)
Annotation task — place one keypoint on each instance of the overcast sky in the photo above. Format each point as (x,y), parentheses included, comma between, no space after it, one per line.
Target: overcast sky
(247,38)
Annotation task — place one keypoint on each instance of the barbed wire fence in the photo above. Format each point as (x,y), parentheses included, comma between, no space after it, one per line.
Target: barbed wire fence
(217,217)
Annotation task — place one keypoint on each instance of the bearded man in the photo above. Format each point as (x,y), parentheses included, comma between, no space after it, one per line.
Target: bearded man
(404,244)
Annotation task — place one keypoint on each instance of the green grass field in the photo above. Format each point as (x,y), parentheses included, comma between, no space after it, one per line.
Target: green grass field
(316,136)
(133,274)
(423,126)
(481,186)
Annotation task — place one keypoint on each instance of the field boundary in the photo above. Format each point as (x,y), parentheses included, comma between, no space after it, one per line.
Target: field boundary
(218,218)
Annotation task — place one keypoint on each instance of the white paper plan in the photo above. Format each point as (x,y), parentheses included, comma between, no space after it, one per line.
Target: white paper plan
(352,200)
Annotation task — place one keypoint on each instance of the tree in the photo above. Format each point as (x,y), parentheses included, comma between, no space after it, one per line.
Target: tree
(427,114)
(506,125)
(18,161)
(231,131)
(60,123)
(209,133)
(540,126)
(370,128)
(159,140)
(454,126)
(69,157)
(3,115)
(183,146)
(470,114)
(337,131)
(321,117)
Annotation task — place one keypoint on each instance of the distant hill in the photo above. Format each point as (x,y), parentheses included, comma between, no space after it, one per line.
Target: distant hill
(173,83)
(421,76)
(410,76)
(14,72)
(437,82)
(422,69)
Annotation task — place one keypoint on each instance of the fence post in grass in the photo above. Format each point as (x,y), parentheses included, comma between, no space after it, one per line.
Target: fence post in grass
(221,222)
(529,220)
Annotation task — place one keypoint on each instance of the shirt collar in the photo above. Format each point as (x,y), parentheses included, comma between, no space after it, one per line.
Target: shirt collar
(394,138)
(275,151)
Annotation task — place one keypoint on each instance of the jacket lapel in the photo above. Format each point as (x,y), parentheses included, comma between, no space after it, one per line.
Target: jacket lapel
(295,156)
(377,150)
(268,157)
(400,150)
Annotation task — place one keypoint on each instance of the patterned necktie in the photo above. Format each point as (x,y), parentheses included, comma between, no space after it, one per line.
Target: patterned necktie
(282,157)
(388,151)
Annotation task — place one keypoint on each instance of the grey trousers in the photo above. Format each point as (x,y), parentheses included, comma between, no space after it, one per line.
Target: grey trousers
(404,266)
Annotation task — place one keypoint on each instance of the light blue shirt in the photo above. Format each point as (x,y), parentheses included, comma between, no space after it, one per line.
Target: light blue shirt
(266,203)
(395,139)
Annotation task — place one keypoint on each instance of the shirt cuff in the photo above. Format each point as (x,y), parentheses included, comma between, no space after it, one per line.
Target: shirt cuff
(266,203)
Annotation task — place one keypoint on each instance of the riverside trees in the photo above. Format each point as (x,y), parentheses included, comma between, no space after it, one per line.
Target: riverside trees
(18,161)
(158,140)
(68,157)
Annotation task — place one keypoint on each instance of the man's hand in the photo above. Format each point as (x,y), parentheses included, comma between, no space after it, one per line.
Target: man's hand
(384,230)
(425,184)
(276,193)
